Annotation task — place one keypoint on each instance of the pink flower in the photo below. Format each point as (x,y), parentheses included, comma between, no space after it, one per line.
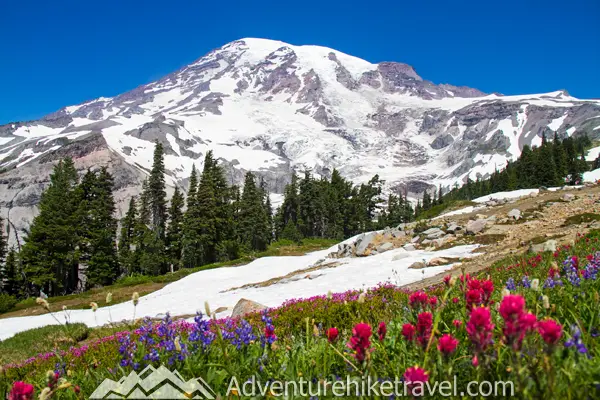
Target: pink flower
(447,280)
(474,297)
(447,344)
(550,330)
(415,377)
(457,323)
(418,299)
(359,342)
(424,325)
(488,289)
(480,327)
(332,334)
(433,301)
(408,331)
(21,391)
(455,300)
(381,331)
(512,306)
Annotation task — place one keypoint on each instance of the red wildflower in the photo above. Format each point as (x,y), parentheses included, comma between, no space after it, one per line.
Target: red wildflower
(424,325)
(359,342)
(457,323)
(480,327)
(418,299)
(21,391)
(475,361)
(550,330)
(455,300)
(447,344)
(381,331)
(474,298)
(512,306)
(474,284)
(408,331)
(488,289)
(332,334)
(447,280)
(415,377)
(433,301)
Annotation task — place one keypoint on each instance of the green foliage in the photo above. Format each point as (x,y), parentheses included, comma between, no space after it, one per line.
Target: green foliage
(7,302)
(581,218)
(175,229)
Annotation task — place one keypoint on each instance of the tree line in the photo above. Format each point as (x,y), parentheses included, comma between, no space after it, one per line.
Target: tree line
(77,243)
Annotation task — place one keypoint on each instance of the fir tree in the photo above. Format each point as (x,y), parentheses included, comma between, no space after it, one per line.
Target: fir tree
(50,256)
(560,160)
(175,229)
(191,252)
(127,239)
(253,226)
(157,193)
(10,278)
(3,244)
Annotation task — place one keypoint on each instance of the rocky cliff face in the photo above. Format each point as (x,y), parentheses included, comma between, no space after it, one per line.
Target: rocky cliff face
(272,108)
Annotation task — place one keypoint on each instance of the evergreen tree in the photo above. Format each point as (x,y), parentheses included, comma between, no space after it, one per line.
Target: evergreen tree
(175,229)
(10,278)
(50,255)
(3,244)
(545,168)
(157,193)
(98,229)
(207,212)
(560,160)
(253,224)
(526,170)
(127,239)
(191,252)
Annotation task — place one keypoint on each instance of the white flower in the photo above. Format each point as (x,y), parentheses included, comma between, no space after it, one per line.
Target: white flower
(535,284)
(43,302)
(505,292)
(135,297)
(108,298)
(207,309)
(545,301)
(45,394)
(361,297)
(94,306)
(177,344)
(329,295)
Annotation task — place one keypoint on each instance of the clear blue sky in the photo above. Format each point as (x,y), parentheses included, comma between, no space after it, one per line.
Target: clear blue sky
(58,53)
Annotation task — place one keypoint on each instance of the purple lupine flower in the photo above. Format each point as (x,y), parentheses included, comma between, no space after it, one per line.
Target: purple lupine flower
(576,341)
(269,334)
(510,284)
(201,332)
(525,282)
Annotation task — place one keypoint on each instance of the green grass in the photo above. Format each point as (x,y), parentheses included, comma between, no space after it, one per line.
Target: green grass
(581,218)
(41,340)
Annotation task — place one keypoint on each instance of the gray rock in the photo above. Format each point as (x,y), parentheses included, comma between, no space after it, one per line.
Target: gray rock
(491,219)
(430,231)
(426,241)
(436,235)
(385,247)
(402,254)
(344,250)
(476,226)
(415,239)
(418,265)
(515,214)
(437,261)
(362,243)
(491,203)
(398,234)
(549,245)
(453,228)
(409,247)
(245,307)
(568,197)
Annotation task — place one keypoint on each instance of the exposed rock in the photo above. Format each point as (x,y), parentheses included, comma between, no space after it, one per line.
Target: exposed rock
(415,239)
(453,228)
(491,219)
(362,243)
(515,214)
(245,306)
(402,254)
(568,197)
(437,261)
(476,226)
(418,265)
(550,245)
(438,233)
(385,247)
(409,247)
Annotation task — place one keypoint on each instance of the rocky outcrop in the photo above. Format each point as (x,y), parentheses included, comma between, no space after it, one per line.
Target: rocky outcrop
(245,307)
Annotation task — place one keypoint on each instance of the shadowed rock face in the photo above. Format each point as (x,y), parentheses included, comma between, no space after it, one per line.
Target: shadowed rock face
(274,108)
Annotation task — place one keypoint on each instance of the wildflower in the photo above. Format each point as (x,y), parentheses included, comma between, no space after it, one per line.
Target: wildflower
(480,327)
(525,282)
(433,301)
(455,300)
(108,298)
(457,323)
(381,331)
(329,295)
(201,332)
(21,391)
(359,342)
(535,284)
(475,361)
(361,297)
(576,341)
(415,377)
(408,331)
(545,302)
(510,284)
(135,297)
(418,299)
(474,297)
(177,344)
(550,331)
(447,280)
(94,306)
(269,333)
(332,335)
(43,302)
(424,326)
(512,306)
(447,344)
(505,292)
(488,289)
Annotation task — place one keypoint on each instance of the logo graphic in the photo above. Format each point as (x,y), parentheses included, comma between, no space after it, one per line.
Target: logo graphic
(153,383)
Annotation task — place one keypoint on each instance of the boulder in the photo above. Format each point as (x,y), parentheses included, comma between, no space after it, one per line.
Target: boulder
(568,197)
(409,247)
(436,234)
(401,254)
(418,265)
(549,245)
(362,244)
(476,226)
(398,234)
(385,247)
(415,239)
(437,261)
(515,214)
(430,231)
(491,219)
(245,306)
(453,228)
(491,203)
(344,250)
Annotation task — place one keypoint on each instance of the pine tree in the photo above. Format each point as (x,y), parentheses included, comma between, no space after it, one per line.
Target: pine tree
(560,160)
(191,252)
(10,278)
(266,200)
(175,228)
(207,212)
(253,224)
(99,229)
(50,254)
(157,193)
(545,168)
(127,239)
(3,244)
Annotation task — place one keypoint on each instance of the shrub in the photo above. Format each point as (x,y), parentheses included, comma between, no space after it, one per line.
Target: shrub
(7,302)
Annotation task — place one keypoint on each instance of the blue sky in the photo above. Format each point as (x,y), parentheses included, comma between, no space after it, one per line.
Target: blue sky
(59,53)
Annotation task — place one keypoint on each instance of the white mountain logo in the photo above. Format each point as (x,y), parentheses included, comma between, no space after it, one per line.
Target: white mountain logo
(153,383)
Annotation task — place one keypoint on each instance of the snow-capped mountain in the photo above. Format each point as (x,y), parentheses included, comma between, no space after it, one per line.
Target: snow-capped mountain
(272,107)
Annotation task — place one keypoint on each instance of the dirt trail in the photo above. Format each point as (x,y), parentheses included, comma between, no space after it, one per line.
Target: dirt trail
(549,224)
